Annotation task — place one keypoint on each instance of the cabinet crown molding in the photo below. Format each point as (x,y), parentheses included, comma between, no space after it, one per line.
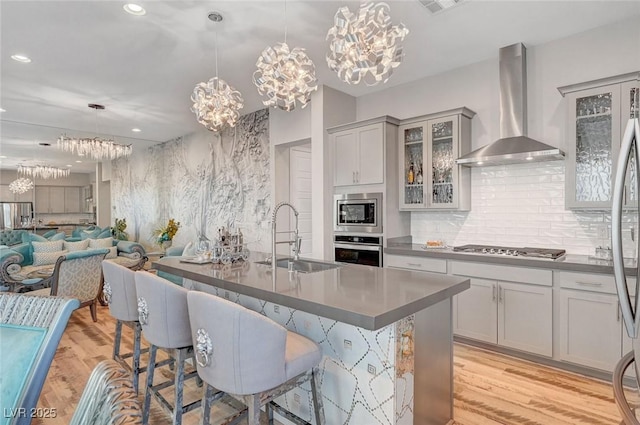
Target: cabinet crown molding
(631,76)
(356,124)
(464,111)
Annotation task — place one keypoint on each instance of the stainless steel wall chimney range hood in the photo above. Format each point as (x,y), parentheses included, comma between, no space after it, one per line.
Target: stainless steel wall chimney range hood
(513,146)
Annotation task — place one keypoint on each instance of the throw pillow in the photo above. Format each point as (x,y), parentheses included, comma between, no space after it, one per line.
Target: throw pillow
(101,243)
(104,234)
(58,237)
(113,252)
(31,237)
(49,246)
(76,246)
(46,258)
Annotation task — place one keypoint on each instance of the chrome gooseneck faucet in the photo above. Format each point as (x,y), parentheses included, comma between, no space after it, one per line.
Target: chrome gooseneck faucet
(296,242)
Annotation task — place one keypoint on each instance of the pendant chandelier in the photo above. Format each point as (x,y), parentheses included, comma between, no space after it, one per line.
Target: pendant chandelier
(21,185)
(216,103)
(95,148)
(43,171)
(365,46)
(285,76)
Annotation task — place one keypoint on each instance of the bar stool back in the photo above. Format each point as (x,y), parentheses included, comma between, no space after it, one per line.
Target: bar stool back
(250,357)
(120,293)
(163,315)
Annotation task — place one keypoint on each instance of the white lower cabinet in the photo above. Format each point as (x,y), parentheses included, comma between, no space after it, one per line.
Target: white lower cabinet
(510,314)
(590,329)
(474,311)
(525,317)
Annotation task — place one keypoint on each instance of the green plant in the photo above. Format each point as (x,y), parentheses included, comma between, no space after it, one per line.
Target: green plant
(166,233)
(118,231)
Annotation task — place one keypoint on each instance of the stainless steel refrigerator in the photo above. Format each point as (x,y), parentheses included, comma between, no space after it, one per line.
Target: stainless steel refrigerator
(626,181)
(15,215)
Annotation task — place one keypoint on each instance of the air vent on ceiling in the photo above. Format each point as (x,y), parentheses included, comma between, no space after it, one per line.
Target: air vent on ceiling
(435,6)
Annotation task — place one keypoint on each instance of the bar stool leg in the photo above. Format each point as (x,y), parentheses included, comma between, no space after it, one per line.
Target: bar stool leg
(137,331)
(179,382)
(269,410)
(317,401)
(254,410)
(206,404)
(116,341)
(147,396)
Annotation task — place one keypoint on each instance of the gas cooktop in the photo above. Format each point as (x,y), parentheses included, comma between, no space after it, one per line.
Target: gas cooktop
(551,254)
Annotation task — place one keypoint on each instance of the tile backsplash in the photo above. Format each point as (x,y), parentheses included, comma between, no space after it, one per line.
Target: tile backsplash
(522,205)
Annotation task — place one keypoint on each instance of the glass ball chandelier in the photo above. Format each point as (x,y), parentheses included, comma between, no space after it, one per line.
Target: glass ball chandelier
(95,148)
(21,185)
(365,47)
(43,171)
(216,103)
(285,76)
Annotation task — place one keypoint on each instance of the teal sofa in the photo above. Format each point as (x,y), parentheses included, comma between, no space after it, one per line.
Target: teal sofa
(19,274)
(10,237)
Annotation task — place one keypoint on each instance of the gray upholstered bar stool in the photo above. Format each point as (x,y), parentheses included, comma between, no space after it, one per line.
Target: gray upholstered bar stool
(120,293)
(163,315)
(250,357)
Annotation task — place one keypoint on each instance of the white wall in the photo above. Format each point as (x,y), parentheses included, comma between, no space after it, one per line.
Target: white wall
(517,204)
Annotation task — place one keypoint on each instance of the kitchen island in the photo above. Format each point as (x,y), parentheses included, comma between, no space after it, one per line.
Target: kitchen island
(386,335)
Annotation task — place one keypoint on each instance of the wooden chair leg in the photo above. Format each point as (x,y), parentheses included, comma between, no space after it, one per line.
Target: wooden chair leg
(94,311)
(147,395)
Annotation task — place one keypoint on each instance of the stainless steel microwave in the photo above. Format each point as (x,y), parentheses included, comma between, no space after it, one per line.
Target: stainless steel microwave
(358,212)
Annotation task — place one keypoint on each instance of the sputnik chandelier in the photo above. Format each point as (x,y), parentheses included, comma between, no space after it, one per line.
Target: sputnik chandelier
(365,46)
(216,103)
(43,171)
(285,76)
(95,148)
(21,185)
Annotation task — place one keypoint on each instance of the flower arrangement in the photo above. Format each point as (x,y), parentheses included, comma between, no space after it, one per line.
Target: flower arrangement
(166,233)
(118,231)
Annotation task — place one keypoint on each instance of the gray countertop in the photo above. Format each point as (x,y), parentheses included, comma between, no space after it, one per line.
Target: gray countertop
(571,262)
(368,297)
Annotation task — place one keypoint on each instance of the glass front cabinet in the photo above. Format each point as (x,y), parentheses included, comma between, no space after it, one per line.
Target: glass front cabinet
(597,115)
(429,177)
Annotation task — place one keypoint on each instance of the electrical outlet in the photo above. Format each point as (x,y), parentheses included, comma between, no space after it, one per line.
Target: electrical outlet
(296,398)
(603,232)
(307,325)
(226,294)
(276,309)
(371,369)
(347,344)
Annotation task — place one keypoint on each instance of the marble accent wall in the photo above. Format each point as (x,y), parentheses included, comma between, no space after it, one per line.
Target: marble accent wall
(203,180)
(521,205)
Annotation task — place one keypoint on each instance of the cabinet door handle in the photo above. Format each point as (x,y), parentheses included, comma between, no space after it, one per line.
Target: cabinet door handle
(500,294)
(357,176)
(414,264)
(493,298)
(592,284)
(353,177)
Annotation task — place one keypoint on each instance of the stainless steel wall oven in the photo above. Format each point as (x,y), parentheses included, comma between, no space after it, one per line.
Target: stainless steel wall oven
(366,250)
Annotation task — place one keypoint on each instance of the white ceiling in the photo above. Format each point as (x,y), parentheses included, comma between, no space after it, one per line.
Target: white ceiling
(144,68)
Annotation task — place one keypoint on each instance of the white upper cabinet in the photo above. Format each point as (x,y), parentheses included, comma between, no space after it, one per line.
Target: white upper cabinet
(359,151)
(597,113)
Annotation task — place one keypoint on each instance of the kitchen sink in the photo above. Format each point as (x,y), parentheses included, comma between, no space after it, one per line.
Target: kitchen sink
(302,266)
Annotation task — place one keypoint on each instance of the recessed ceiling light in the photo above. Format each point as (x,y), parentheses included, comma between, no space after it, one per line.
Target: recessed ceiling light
(134,9)
(3,156)
(21,58)
(69,165)
(79,162)
(3,110)
(136,130)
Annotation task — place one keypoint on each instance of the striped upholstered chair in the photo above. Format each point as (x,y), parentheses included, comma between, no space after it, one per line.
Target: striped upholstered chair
(78,275)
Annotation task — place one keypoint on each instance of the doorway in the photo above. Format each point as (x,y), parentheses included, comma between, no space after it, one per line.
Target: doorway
(300,192)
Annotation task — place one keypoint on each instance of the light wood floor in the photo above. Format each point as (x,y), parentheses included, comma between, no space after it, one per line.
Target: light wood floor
(489,388)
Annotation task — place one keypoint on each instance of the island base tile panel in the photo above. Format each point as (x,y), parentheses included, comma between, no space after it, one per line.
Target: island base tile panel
(366,377)
(203,180)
